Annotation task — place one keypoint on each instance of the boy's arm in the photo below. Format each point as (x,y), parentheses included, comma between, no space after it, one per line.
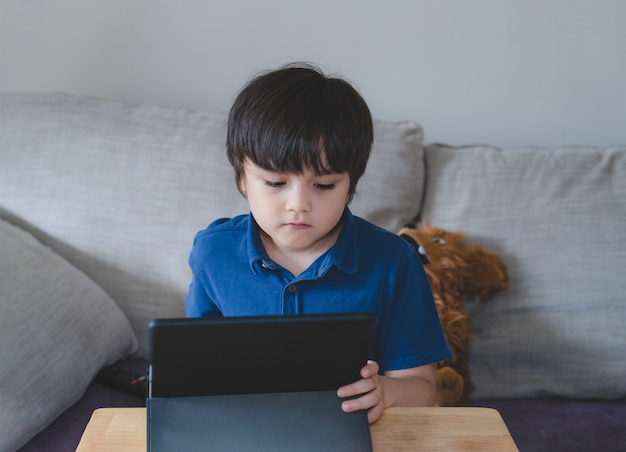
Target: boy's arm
(406,387)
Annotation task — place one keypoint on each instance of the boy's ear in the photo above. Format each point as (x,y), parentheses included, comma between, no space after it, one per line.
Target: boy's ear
(241,186)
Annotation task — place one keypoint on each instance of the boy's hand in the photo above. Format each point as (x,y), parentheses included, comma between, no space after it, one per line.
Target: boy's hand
(371,387)
(405,387)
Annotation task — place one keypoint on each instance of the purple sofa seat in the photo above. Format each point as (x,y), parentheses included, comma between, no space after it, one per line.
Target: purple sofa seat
(65,432)
(542,424)
(558,424)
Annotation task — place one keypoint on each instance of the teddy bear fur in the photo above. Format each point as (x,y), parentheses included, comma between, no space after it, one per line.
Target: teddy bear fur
(457,273)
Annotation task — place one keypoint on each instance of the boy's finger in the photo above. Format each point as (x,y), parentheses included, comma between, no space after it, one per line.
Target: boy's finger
(370,369)
(359,387)
(365,402)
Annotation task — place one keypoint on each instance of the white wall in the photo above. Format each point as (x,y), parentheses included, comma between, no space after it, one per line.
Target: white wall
(505,72)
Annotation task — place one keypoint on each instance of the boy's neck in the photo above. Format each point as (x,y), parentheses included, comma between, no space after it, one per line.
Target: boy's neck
(297,261)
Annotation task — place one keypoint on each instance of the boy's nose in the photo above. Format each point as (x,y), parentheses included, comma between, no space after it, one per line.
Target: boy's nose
(298,200)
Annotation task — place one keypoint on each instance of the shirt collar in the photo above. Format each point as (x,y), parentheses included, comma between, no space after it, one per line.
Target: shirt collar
(345,251)
(257,256)
(343,254)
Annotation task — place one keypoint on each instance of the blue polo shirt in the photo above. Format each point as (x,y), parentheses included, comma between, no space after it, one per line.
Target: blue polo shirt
(368,269)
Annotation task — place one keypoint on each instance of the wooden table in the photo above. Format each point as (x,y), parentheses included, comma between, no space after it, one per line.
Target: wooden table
(414,429)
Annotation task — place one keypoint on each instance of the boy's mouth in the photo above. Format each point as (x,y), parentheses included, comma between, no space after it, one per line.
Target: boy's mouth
(297,225)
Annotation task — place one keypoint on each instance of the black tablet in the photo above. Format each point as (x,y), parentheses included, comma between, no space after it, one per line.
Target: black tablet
(260,354)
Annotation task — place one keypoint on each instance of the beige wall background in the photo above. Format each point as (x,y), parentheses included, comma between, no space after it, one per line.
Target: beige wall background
(504,72)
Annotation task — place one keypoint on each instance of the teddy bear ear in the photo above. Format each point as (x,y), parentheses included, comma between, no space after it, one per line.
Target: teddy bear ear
(489,274)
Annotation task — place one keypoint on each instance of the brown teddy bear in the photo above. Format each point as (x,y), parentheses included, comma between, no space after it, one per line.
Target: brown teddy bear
(457,273)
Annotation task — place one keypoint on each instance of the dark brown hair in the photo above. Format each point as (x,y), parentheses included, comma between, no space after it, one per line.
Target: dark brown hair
(296,118)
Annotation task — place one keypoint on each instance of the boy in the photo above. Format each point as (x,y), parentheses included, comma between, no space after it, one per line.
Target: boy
(299,142)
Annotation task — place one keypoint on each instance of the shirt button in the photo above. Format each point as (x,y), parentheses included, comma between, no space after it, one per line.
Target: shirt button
(263,265)
(292,288)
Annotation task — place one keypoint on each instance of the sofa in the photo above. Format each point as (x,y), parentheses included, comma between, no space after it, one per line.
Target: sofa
(100,201)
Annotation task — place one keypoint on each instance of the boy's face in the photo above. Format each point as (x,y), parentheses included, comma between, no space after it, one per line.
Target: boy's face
(299,213)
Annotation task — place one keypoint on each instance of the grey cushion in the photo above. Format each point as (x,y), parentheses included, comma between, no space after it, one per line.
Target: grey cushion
(120,190)
(390,191)
(557,217)
(57,329)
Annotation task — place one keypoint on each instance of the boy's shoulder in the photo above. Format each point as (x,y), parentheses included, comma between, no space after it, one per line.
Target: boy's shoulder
(368,232)
(367,227)
(222,226)
(223,237)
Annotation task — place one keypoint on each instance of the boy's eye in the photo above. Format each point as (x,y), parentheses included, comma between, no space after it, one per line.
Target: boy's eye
(269,183)
(325,186)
